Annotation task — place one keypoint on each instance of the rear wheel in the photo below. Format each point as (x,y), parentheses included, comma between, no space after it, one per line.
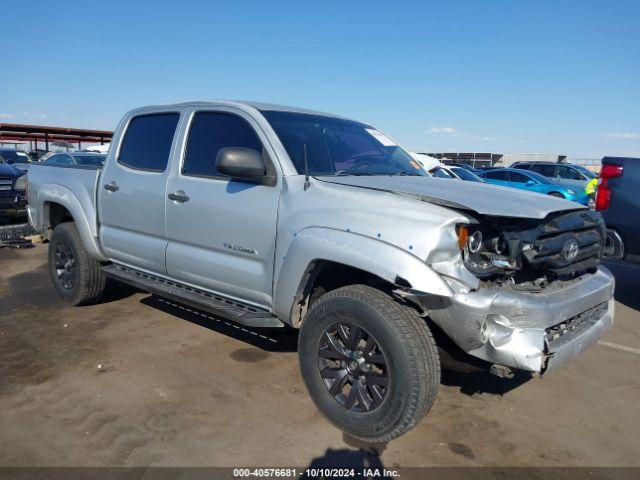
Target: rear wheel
(77,277)
(369,363)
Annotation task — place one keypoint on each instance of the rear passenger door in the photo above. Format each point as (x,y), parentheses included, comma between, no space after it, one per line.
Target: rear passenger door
(132,192)
(221,233)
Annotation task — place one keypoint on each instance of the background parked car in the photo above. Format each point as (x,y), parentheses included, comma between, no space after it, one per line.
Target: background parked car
(575,177)
(13,185)
(428,162)
(618,199)
(36,155)
(455,172)
(76,158)
(44,156)
(533,182)
(16,157)
(465,166)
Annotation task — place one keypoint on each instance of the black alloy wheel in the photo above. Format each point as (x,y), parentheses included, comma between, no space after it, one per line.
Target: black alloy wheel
(353,367)
(76,276)
(65,265)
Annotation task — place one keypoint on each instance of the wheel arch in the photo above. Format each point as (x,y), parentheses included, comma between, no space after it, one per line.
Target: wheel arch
(58,205)
(335,258)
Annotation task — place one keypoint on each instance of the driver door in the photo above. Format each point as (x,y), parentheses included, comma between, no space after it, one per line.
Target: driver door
(221,232)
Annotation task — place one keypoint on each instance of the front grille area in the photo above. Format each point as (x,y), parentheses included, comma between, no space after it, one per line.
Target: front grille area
(566,331)
(6,183)
(571,243)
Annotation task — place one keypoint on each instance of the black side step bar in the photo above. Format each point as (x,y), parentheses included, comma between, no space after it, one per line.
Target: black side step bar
(215,304)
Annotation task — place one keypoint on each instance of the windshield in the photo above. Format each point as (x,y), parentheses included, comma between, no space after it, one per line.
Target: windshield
(590,175)
(14,156)
(336,146)
(89,159)
(465,174)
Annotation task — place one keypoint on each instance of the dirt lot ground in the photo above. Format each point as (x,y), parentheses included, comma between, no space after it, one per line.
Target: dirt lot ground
(138,381)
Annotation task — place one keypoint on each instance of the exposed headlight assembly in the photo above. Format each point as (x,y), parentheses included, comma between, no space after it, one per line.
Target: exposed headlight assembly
(484,252)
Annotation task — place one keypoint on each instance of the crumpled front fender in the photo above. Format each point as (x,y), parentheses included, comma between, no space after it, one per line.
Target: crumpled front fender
(371,255)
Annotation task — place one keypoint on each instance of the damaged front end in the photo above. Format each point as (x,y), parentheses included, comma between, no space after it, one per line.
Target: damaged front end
(542,297)
(530,254)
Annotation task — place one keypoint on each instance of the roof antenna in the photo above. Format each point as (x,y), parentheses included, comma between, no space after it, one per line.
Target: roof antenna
(306,168)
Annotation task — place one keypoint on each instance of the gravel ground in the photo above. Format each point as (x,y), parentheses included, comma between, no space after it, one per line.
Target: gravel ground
(139,381)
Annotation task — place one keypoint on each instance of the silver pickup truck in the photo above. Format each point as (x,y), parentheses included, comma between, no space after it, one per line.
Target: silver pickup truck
(275,216)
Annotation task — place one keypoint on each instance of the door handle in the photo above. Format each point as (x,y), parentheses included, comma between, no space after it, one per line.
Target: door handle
(112,187)
(179,197)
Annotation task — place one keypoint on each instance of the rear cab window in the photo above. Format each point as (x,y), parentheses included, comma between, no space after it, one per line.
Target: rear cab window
(147,141)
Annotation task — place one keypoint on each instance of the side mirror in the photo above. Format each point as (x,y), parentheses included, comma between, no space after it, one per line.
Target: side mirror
(244,163)
(530,183)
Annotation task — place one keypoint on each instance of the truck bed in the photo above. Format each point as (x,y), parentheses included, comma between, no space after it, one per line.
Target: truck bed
(50,182)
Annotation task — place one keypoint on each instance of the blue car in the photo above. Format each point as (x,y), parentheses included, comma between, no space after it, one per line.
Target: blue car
(534,182)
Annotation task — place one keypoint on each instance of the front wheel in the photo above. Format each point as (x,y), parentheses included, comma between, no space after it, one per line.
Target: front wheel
(556,194)
(369,363)
(77,277)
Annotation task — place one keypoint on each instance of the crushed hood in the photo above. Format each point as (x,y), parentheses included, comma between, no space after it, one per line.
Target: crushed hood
(478,197)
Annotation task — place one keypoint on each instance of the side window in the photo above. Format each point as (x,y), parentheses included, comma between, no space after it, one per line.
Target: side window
(210,132)
(545,170)
(53,160)
(496,175)
(569,173)
(147,141)
(59,159)
(522,166)
(518,177)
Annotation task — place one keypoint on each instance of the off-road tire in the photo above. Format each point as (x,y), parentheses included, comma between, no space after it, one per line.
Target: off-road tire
(89,281)
(411,353)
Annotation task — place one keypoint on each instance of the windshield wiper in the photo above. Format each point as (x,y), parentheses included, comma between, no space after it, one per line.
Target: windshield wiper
(346,173)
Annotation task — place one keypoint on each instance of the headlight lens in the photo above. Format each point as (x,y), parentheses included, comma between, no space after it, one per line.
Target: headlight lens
(21,183)
(484,253)
(474,243)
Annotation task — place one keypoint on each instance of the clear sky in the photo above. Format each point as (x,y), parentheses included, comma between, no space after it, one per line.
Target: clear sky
(476,75)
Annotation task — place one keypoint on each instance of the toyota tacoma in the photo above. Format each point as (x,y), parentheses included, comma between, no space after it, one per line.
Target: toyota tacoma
(275,216)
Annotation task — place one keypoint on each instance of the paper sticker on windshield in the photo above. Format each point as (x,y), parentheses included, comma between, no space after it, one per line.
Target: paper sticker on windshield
(381,137)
